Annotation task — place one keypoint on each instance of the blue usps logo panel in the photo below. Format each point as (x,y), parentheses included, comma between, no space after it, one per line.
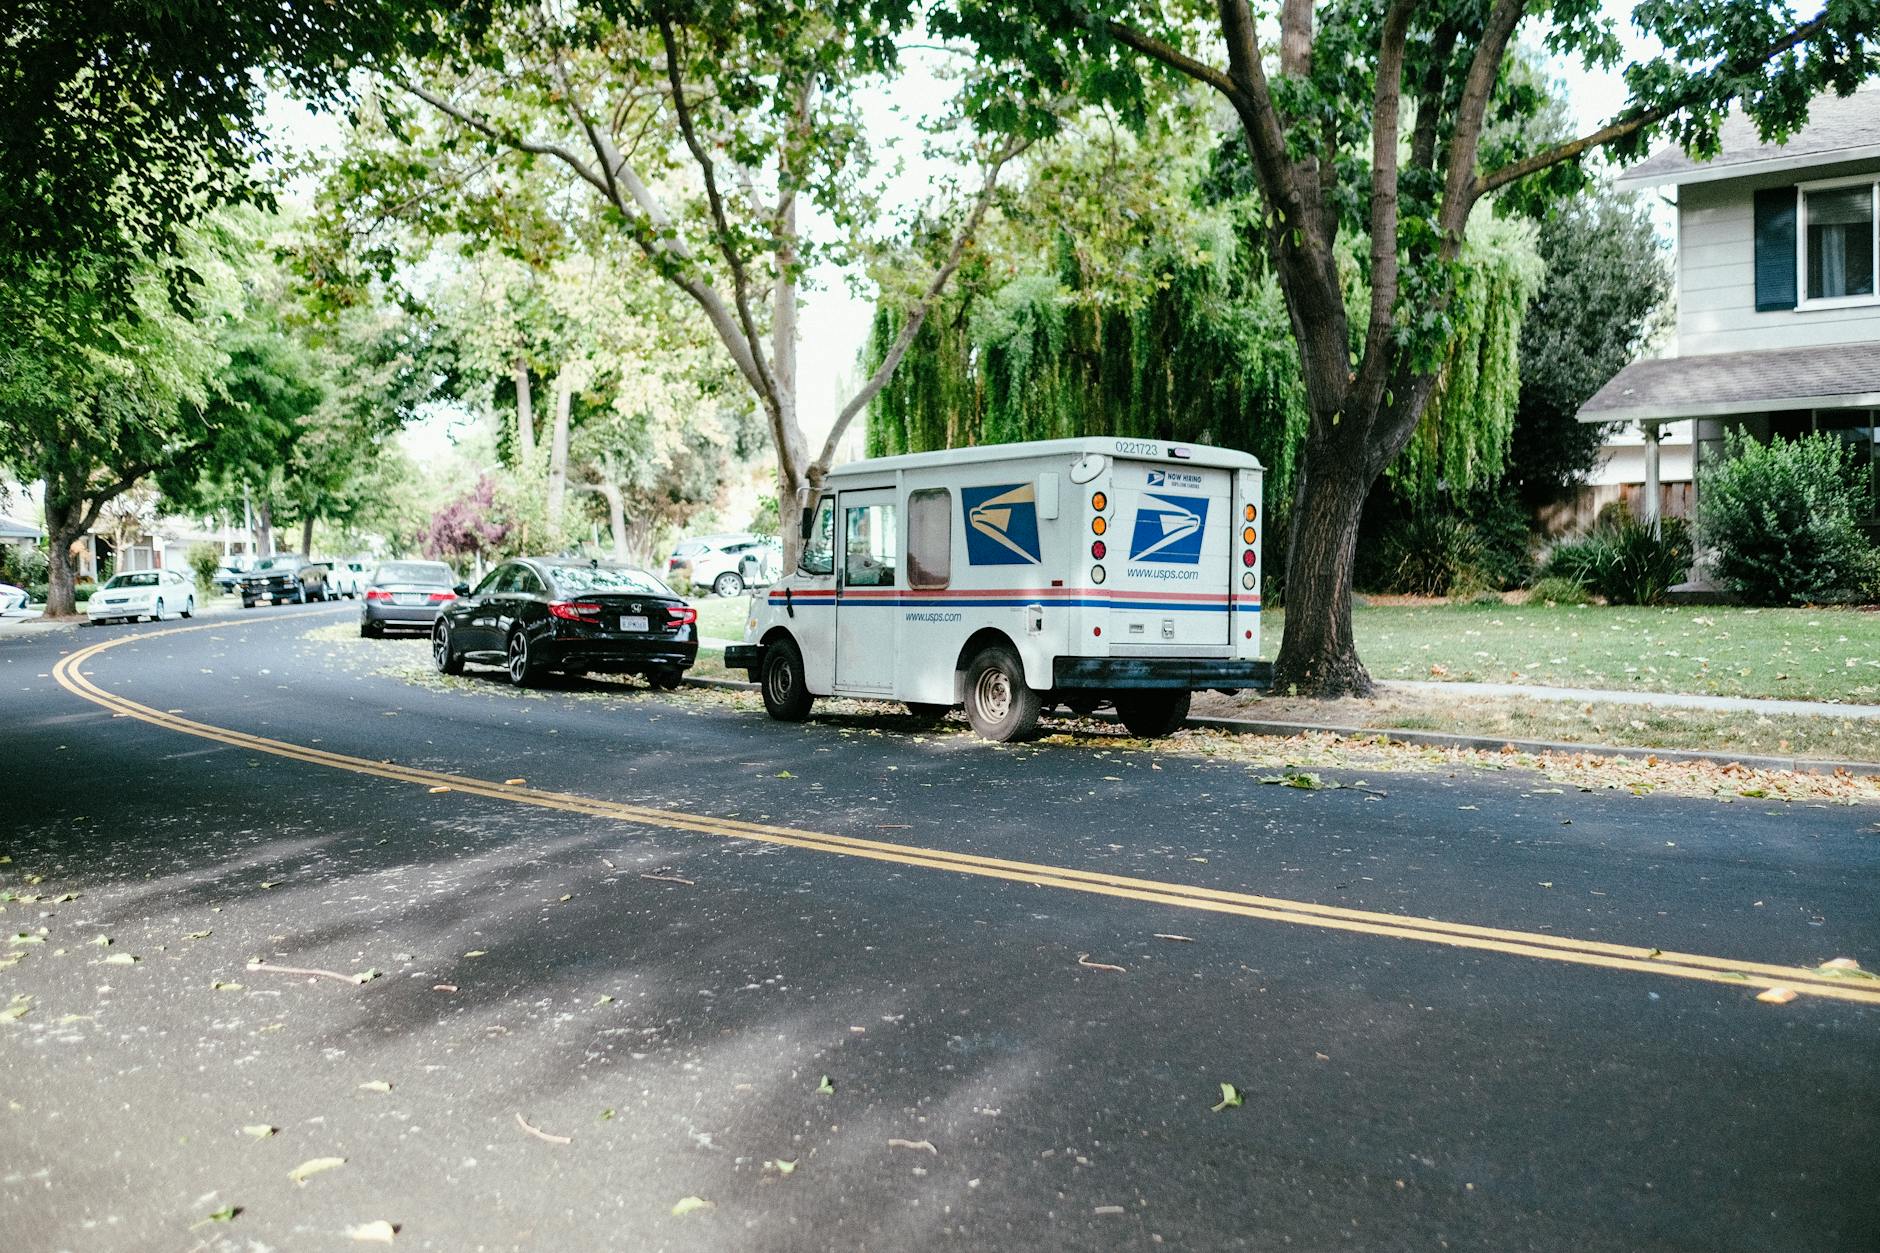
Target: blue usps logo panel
(1001,525)
(1169,529)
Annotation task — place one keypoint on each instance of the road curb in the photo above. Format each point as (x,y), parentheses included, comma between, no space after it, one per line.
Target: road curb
(1480,743)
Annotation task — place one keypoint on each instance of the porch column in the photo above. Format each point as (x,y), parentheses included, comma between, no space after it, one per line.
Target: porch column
(1653,432)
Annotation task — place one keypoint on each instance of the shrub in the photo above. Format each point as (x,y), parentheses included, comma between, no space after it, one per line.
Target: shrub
(203,559)
(24,564)
(83,591)
(1427,554)
(1623,560)
(1558,591)
(1784,518)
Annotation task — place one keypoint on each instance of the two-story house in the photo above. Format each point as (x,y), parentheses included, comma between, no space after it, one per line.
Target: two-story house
(1778,328)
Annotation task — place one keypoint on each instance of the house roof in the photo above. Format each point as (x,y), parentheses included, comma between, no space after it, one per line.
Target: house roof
(13,530)
(1840,128)
(1834,376)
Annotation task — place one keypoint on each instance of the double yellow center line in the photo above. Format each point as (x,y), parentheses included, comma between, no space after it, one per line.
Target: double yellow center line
(1803,980)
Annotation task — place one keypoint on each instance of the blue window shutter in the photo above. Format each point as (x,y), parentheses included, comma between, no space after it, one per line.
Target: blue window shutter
(1775,249)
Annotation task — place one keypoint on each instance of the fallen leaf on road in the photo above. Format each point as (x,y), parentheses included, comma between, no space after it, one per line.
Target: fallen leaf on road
(439,790)
(224,1215)
(1109,1209)
(514,782)
(825,1087)
(1844,968)
(1230,1098)
(18,1008)
(199,935)
(122,959)
(1777,996)
(1083,959)
(377,1232)
(896,1143)
(476,952)
(605,1000)
(375,1085)
(256,964)
(103,941)
(668,878)
(686,1204)
(785,774)
(443,987)
(365,976)
(1180,939)
(540,1134)
(782,1167)
(219,986)
(259,1131)
(313,1166)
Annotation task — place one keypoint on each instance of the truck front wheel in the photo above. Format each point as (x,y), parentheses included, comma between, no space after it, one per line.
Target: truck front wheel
(786,695)
(1153,714)
(998,703)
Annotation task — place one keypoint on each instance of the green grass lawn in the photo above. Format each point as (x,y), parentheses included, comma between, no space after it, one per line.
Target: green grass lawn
(1801,654)
(722,617)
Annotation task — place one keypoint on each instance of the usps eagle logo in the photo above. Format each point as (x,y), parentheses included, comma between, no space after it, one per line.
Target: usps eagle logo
(1169,529)
(1001,525)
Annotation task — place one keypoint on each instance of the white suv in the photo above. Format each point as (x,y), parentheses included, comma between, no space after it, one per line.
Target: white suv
(726,564)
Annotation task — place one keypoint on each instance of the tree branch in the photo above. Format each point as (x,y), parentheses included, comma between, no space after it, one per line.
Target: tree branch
(1173,57)
(727,245)
(918,314)
(1465,139)
(1638,119)
(566,155)
(1386,116)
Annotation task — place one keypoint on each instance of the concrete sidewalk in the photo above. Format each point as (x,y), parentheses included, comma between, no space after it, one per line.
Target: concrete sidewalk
(1764,706)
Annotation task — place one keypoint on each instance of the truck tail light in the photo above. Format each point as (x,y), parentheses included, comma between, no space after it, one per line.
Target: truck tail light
(1097,549)
(1246,557)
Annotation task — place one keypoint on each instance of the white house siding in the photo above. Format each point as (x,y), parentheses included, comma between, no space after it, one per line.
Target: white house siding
(1716,273)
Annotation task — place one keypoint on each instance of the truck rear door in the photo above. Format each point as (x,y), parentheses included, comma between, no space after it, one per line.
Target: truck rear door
(1170,554)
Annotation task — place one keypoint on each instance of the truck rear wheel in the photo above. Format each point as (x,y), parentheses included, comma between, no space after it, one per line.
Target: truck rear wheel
(1153,714)
(786,695)
(998,703)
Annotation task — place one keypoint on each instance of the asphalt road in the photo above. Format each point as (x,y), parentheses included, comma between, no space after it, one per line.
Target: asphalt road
(1024,977)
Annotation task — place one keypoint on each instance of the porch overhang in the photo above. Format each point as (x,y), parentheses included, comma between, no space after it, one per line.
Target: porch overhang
(1831,376)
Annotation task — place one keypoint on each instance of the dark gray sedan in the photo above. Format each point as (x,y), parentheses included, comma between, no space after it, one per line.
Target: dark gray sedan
(407,594)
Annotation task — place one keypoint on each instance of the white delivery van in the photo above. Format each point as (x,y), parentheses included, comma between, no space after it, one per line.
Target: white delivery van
(1015,577)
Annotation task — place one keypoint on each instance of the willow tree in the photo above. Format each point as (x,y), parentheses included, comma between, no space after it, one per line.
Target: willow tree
(1368,116)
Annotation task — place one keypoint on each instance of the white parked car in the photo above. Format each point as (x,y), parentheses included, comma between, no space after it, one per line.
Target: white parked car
(349,578)
(726,564)
(153,594)
(12,597)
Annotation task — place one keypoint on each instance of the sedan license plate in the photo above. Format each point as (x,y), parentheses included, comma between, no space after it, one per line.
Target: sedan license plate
(407,598)
(633,622)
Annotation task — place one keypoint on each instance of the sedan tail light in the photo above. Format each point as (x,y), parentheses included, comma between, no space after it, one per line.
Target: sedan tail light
(441,597)
(574,610)
(377,593)
(685,615)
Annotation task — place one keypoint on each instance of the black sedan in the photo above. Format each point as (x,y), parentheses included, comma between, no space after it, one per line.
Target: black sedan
(537,614)
(284,578)
(406,594)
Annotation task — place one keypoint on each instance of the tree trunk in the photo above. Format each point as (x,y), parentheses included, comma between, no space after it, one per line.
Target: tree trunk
(525,413)
(264,529)
(62,531)
(1317,654)
(306,535)
(558,454)
(616,507)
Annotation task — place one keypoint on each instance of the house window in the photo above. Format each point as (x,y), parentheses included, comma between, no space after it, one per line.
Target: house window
(1838,240)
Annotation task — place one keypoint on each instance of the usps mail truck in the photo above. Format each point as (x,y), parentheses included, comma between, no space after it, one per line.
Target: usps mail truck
(1014,578)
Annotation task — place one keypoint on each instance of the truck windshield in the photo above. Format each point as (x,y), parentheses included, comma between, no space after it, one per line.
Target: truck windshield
(819,548)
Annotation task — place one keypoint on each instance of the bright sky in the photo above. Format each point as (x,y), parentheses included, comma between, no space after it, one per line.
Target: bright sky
(834,322)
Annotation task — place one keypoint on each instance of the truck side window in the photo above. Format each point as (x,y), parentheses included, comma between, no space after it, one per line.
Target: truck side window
(819,555)
(868,546)
(929,537)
